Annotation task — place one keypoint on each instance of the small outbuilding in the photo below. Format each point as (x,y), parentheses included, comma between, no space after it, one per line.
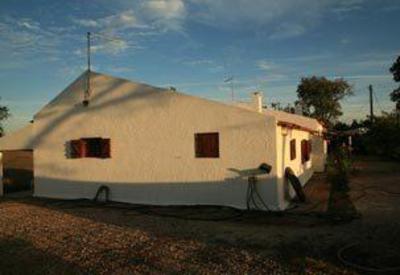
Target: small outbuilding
(158,146)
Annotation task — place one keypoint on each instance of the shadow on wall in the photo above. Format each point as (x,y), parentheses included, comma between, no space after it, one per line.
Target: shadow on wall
(143,91)
(231,192)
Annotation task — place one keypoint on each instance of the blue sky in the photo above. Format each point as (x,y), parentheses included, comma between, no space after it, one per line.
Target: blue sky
(194,45)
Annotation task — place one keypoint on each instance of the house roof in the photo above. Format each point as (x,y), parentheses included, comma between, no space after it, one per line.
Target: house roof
(295,121)
(22,139)
(18,140)
(286,119)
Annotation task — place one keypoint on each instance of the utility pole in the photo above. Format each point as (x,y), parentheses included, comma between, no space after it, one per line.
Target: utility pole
(87,92)
(371,103)
(229,80)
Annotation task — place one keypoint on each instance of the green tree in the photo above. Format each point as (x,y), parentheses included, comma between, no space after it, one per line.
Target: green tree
(395,70)
(277,106)
(4,114)
(320,97)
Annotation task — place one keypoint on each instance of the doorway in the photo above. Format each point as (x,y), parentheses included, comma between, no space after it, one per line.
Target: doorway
(17,171)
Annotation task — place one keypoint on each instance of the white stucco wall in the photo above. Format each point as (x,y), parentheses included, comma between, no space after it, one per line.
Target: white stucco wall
(303,171)
(152,140)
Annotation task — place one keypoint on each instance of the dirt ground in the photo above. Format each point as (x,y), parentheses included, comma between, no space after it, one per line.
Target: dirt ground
(52,237)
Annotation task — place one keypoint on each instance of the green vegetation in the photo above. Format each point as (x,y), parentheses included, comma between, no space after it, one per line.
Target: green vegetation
(320,97)
(339,168)
(380,136)
(395,70)
(4,114)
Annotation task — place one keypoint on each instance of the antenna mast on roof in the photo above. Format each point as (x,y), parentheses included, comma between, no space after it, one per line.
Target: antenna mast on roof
(87,92)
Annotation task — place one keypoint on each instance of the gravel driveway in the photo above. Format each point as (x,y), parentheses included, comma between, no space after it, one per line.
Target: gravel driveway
(50,237)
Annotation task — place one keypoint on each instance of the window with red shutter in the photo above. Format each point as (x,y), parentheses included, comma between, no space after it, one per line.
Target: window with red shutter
(77,149)
(90,148)
(207,145)
(292,149)
(305,150)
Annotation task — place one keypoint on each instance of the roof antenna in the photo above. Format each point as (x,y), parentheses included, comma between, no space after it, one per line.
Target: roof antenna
(87,92)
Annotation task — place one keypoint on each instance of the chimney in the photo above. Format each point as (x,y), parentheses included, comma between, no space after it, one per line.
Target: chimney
(257,101)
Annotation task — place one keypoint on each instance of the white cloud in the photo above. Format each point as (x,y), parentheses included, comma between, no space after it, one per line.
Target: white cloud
(166,14)
(22,40)
(264,64)
(280,19)
(28,24)
(90,23)
(119,21)
(199,62)
(285,30)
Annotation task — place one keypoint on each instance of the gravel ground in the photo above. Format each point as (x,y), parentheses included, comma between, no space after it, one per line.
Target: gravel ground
(48,237)
(77,244)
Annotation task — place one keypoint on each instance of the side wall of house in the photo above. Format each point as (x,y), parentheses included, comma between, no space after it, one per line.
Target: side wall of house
(319,153)
(152,147)
(303,171)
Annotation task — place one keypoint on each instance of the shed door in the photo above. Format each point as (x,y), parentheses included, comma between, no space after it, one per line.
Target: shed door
(17,170)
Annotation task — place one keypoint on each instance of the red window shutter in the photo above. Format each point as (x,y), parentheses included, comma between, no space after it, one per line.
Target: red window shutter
(74,149)
(77,148)
(292,149)
(303,151)
(83,148)
(106,148)
(207,145)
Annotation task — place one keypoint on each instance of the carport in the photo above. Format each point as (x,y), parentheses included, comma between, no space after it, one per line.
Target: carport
(16,161)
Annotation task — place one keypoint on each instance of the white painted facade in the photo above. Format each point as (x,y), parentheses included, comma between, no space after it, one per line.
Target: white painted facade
(152,147)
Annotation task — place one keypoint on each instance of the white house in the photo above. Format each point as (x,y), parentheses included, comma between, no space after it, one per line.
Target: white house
(158,146)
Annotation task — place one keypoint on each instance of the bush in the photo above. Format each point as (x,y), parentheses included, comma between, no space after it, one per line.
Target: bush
(383,137)
(339,168)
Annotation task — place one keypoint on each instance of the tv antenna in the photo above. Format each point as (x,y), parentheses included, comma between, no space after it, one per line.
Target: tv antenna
(87,91)
(89,37)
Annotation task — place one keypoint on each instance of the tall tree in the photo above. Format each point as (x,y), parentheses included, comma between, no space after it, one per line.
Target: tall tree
(395,70)
(320,97)
(4,114)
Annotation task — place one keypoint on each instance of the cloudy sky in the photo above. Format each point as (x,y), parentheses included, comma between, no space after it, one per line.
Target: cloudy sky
(194,45)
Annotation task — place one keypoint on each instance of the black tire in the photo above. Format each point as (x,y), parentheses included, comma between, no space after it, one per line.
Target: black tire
(296,184)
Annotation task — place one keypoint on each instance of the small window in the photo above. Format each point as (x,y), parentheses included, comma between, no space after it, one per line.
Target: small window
(90,148)
(305,150)
(207,145)
(292,149)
